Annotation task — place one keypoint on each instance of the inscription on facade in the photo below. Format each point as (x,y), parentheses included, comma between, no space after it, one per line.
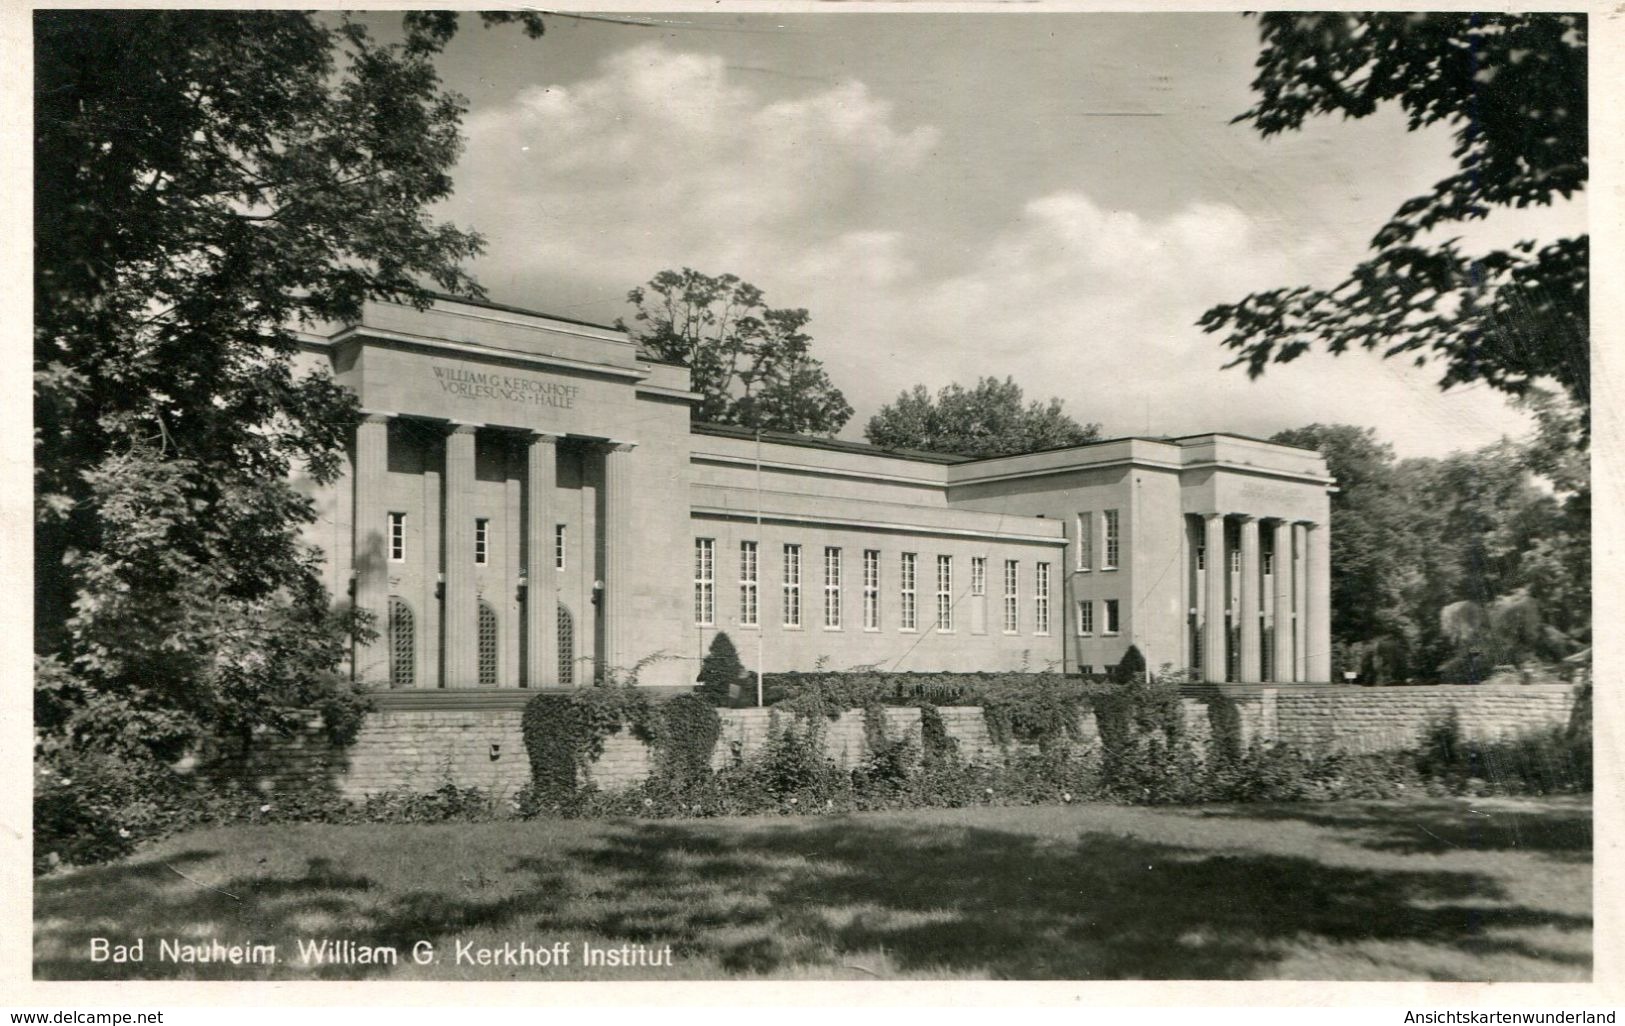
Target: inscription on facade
(512,388)
(1266,493)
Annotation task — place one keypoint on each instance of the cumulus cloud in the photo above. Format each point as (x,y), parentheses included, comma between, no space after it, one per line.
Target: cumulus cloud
(666,159)
(662,159)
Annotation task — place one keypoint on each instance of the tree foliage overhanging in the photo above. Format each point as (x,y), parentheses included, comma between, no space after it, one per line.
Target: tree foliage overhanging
(750,363)
(1512,88)
(206,180)
(988,419)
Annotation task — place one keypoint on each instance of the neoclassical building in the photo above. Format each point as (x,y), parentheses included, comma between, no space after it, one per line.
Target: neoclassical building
(526,504)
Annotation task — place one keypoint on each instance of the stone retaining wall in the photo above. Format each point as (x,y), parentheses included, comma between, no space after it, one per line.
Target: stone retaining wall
(421,749)
(1383,719)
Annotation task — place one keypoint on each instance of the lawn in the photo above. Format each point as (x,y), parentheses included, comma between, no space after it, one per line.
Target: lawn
(1428,889)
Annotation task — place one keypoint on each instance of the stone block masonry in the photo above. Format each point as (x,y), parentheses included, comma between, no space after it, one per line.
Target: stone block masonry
(1383,719)
(426,747)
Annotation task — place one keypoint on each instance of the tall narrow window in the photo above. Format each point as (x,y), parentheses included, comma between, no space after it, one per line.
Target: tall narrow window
(1112,623)
(397,537)
(567,645)
(749,585)
(792,585)
(832,588)
(871,589)
(1086,541)
(488,645)
(1041,598)
(1235,559)
(1086,617)
(403,647)
(1012,603)
(910,619)
(1201,555)
(558,546)
(1268,553)
(482,541)
(978,575)
(1111,540)
(945,593)
(705,581)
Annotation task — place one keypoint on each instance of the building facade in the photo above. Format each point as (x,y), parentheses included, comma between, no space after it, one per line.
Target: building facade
(526,504)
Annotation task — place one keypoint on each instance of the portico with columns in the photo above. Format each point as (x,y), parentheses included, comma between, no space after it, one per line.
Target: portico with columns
(503,523)
(1255,617)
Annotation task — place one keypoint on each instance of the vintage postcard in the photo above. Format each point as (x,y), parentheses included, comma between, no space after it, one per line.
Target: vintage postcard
(839,496)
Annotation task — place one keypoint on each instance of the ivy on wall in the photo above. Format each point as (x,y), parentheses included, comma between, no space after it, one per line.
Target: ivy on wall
(565,732)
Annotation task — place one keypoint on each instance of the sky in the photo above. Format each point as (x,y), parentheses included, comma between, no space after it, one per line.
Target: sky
(1051,197)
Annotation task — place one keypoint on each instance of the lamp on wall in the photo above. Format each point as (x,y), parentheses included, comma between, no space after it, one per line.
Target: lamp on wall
(597,591)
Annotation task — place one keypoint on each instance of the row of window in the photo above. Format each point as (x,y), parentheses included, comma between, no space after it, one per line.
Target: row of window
(1111,541)
(1266,553)
(402,645)
(482,541)
(1111,622)
(705,588)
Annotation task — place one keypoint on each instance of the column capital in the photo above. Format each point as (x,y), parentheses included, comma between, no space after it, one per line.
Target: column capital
(1244,518)
(1211,516)
(543,437)
(377,416)
(616,445)
(461,427)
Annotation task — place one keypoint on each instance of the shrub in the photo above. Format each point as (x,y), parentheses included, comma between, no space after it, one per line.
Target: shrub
(720,670)
(1145,756)
(935,742)
(565,732)
(1130,668)
(684,731)
(1540,761)
(888,763)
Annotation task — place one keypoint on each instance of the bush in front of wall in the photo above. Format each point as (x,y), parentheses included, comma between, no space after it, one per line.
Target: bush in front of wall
(888,764)
(1546,760)
(1043,709)
(564,732)
(684,732)
(1145,756)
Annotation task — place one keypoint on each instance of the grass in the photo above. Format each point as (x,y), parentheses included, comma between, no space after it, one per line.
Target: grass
(1427,889)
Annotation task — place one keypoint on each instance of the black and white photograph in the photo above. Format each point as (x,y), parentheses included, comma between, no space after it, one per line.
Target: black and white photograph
(809,494)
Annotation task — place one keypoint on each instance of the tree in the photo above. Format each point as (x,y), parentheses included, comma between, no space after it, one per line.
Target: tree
(985,420)
(750,363)
(207,180)
(1513,89)
(1372,547)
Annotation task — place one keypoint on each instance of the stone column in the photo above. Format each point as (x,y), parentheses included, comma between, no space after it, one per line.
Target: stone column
(1214,629)
(1281,656)
(1320,603)
(429,648)
(1300,602)
(1252,667)
(616,606)
(541,580)
(461,627)
(371,553)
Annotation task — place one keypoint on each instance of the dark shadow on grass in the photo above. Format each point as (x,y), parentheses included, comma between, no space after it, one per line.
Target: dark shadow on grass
(806,894)
(249,910)
(1555,829)
(979,900)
